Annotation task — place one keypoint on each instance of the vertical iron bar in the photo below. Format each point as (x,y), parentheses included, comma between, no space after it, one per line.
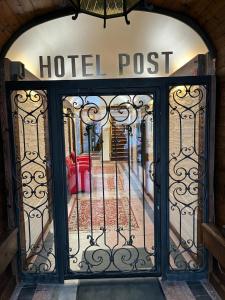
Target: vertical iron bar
(58,179)
(164,175)
(117,194)
(69,132)
(143,186)
(128,141)
(211,106)
(103,185)
(89,155)
(209,150)
(158,219)
(15,194)
(77,197)
(74,146)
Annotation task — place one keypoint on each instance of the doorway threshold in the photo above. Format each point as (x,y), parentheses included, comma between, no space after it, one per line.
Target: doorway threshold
(117,289)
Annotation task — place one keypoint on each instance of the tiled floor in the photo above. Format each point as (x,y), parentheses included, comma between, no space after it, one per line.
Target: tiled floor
(118,289)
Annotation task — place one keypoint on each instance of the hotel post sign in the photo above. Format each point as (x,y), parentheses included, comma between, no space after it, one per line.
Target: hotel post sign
(90,65)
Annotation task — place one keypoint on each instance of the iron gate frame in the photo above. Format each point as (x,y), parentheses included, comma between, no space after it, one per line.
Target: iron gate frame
(55,91)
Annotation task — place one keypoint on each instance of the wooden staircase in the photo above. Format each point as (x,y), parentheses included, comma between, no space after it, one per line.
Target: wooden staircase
(95,155)
(119,143)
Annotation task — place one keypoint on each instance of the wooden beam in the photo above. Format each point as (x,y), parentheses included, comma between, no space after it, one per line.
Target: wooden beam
(8,250)
(214,241)
(4,76)
(218,284)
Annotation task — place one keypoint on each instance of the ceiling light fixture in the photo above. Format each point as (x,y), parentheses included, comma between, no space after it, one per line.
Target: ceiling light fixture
(105,9)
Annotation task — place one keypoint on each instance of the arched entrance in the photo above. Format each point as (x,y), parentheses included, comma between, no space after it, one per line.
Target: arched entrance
(131,154)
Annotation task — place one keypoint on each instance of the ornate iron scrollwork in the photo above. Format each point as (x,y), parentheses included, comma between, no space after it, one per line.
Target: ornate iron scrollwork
(33,180)
(187,175)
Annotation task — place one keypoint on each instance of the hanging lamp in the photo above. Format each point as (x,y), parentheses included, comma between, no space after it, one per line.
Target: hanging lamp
(105,9)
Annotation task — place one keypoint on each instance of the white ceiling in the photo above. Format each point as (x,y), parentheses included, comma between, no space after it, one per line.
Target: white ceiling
(148,32)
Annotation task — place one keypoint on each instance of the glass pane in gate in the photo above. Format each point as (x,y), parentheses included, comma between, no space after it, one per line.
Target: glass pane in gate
(109,157)
(33,180)
(187,175)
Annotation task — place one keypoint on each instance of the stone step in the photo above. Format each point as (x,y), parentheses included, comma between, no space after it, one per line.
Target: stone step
(113,155)
(118,129)
(118,133)
(119,153)
(120,143)
(118,158)
(119,137)
(118,147)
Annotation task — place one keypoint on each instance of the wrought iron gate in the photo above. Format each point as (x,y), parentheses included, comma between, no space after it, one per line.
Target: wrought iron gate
(111,177)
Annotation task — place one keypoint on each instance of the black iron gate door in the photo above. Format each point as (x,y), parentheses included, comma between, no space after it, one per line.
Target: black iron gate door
(111,177)
(110,150)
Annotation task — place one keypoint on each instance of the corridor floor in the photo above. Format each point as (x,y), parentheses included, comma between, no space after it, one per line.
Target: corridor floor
(118,289)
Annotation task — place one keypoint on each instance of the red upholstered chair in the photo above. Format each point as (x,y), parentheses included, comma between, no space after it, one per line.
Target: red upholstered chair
(72,178)
(78,173)
(84,159)
(84,183)
(73,156)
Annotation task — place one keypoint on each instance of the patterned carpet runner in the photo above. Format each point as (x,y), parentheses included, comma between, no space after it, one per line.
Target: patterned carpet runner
(112,208)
